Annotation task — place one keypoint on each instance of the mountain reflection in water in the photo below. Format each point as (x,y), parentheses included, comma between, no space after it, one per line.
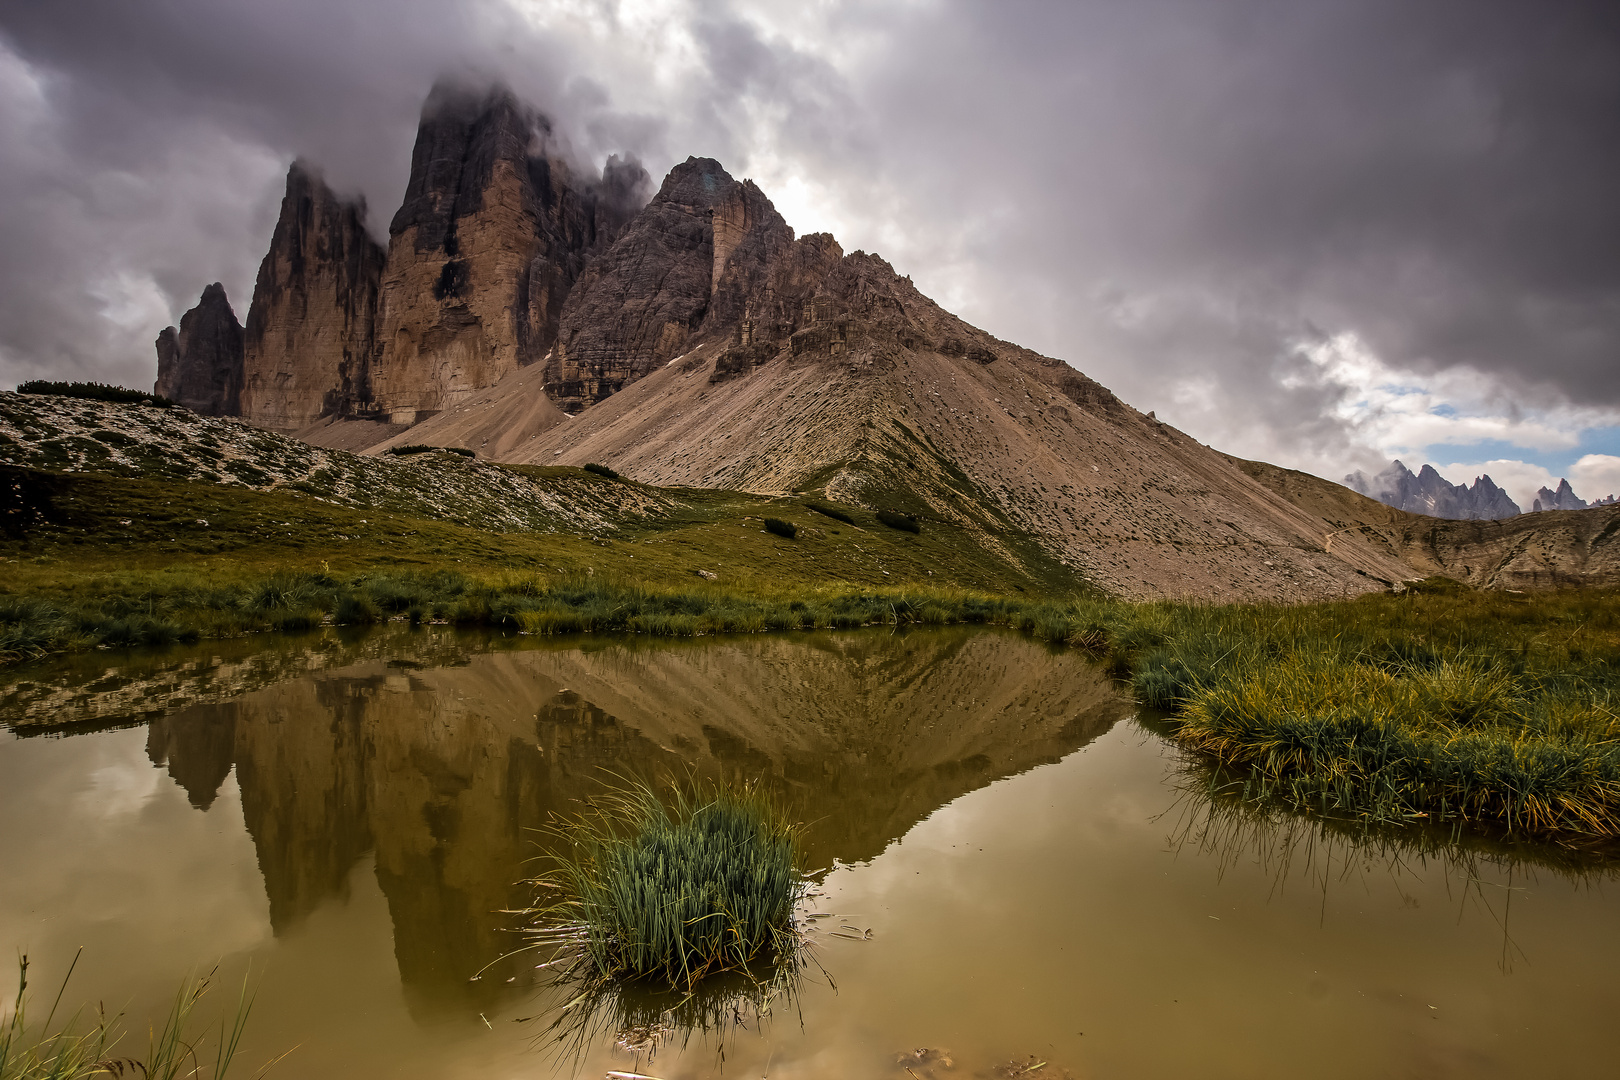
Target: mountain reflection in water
(447,771)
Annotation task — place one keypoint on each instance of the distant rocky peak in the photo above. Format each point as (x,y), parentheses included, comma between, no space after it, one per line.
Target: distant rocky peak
(625,187)
(1427,492)
(1562,499)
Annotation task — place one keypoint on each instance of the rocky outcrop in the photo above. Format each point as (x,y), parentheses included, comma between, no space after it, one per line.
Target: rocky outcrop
(200,363)
(710,261)
(1429,493)
(310,330)
(1562,499)
(635,307)
(492,235)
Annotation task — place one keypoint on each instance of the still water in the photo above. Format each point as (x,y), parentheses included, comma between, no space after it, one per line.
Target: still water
(346,820)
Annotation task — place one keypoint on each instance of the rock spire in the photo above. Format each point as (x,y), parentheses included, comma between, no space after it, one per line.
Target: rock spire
(200,362)
(310,330)
(492,235)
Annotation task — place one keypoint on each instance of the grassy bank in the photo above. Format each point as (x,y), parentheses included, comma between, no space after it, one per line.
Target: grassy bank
(1436,704)
(1440,704)
(120,610)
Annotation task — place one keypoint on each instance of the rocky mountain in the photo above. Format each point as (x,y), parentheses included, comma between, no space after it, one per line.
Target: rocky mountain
(736,355)
(1562,499)
(310,329)
(665,281)
(536,318)
(200,363)
(1528,551)
(1431,494)
(494,231)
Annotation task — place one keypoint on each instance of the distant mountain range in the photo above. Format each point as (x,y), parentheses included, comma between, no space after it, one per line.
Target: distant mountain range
(1427,492)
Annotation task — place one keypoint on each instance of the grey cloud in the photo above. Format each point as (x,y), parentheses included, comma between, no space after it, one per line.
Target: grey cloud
(1171,194)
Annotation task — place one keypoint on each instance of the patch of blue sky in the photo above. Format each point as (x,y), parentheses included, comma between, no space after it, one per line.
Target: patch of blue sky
(1605,440)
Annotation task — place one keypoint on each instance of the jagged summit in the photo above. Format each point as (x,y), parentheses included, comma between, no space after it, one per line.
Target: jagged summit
(200,362)
(1564,498)
(312,325)
(1429,493)
(494,230)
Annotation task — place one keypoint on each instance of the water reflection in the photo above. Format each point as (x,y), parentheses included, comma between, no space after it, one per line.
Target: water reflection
(367,820)
(1212,820)
(446,768)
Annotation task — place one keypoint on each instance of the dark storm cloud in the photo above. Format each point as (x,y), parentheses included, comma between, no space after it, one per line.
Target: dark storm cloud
(1168,189)
(1171,194)
(147,146)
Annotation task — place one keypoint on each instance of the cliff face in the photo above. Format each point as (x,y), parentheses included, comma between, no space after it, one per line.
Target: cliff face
(200,363)
(1427,492)
(646,300)
(491,237)
(310,331)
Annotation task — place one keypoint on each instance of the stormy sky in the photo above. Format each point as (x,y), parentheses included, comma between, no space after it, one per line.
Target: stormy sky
(1316,232)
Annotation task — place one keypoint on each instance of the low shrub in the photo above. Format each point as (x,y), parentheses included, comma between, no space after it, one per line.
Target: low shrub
(903,522)
(601,470)
(781,528)
(828,510)
(93,391)
(356,610)
(420,448)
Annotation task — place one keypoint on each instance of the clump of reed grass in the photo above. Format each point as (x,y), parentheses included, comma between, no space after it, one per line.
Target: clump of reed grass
(781,528)
(672,892)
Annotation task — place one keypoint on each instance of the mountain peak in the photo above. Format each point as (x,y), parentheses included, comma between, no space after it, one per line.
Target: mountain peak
(1429,493)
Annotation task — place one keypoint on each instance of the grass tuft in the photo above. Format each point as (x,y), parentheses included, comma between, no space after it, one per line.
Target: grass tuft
(65,1053)
(674,892)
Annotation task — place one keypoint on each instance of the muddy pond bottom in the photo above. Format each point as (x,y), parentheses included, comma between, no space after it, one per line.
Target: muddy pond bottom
(1047,890)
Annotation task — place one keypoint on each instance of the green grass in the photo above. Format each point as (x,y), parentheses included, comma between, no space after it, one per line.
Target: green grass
(1437,705)
(674,893)
(1440,703)
(173,1050)
(98,560)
